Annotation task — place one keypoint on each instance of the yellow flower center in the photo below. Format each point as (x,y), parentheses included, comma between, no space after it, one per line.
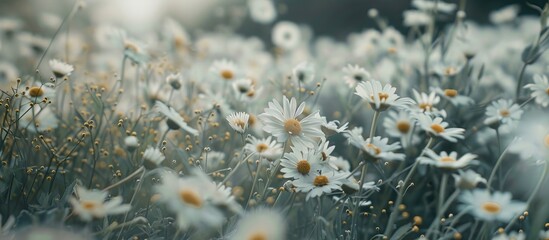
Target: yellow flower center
(251,120)
(257,236)
(320,181)
(546,140)
(190,197)
(504,112)
(447,159)
(392,50)
(403,126)
(36,92)
(437,128)
(450,92)
(262,147)
(292,126)
(227,74)
(425,106)
(240,123)
(89,205)
(450,71)
(547,91)
(382,96)
(491,207)
(303,167)
(179,42)
(376,149)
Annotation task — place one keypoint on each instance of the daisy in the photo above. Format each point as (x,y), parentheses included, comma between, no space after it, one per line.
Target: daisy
(436,127)
(398,124)
(266,147)
(429,6)
(190,199)
(415,18)
(175,121)
(376,148)
(453,96)
(354,75)
(175,80)
(262,223)
(224,70)
(340,164)
(286,35)
(40,93)
(447,161)
(300,162)
(380,98)
(304,72)
(245,89)
(533,140)
(540,89)
(503,113)
(90,204)
(426,103)
(37,119)
(544,235)
(238,121)
(262,11)
(489,207)
(152,158)
(320,182)
(333,127)
(131,143)
(60,69)
(282,122)
(505,14)
(468,179)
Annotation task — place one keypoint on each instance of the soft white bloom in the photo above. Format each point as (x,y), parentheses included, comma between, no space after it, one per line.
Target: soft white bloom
(262,11)
(266,147)
(491,207)
(60,69)
(304,72)
(261,223)
(37,119)
(544,235)
(436,127)
(175,121)
(447,161)
(334,126)
(319,182)
(430,5)
(506,14)
(224,70)
(398,123)
(90,204)
(286,35)
(238,121)
(300,162)
(282,122)
(376,148)
(468,179)
(503,113)
(415,18)
(540,89)
(454,96)
(175,80)
(426,103)
(340,164)
(131,142)
(355,74)
(380,97)
(152,158)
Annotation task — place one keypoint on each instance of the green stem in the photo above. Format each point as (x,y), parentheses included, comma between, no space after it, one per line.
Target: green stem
(498,163)
(520,78)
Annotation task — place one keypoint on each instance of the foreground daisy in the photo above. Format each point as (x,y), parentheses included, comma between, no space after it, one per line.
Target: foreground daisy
(540,89)
(380,97)
(266,147)
(282,122)
(261,224)
(90,204)
(447,161)
(60,69)
(436,127)
(320,182)
(491,207)
(175,121)
(238,121)
(300,162)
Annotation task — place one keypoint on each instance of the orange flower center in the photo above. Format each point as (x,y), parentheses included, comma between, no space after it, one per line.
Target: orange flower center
(437,128)
(227,74)
(251,120)
(240,123)
(450,92)
(491,207)
(447,159)
(320,181)
(262,147)
(450,71)
(190,197)
(403,126)
(546,140)
(89,205)
(425,106)
(376,149)
(504,112)
(257,236)
(303,167)
(547,91)
(292,126)
(36,92)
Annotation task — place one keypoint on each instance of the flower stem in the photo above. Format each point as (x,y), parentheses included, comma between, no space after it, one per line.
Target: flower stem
(498,162)
(520,78)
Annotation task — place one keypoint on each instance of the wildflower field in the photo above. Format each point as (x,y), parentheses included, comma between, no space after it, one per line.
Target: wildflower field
(120,124)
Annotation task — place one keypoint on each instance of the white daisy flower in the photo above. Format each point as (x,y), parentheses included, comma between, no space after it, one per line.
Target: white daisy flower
(540,89)
(415,18)
(90,204)
(304,72)
(224,70)
(286,35)
(190,196)
(37,119)
(380,98)
(505,14)
(262,223)
(175,121)
(175,80)
(340,164)
(238,121)
(398,124)
(376,148)
(152,158)
(246,90)
(333,127)
(426,103)
(468,179)
(282,122)
(447,161)
(262,11)
(300,162)
(453,96)
(429,5)
(60,69)
(131,143)
(544,235)
(436,127)
(320,182)
(533,141)
(40,93)
(355,74)
(490,207)
(266,147)
(503,114)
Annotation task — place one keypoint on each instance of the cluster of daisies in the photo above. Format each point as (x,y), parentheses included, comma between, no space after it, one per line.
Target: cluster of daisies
(439,132)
